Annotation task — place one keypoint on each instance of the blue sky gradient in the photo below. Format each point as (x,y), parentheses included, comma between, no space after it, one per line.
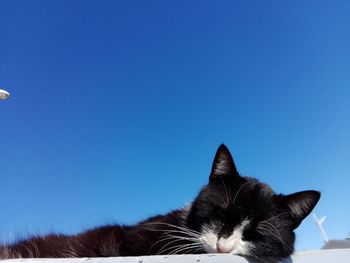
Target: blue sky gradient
(118,107)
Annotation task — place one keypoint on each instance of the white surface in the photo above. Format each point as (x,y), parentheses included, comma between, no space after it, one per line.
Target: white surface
(319,256)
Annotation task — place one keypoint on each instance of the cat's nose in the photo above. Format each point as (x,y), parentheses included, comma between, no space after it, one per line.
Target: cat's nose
(222,249)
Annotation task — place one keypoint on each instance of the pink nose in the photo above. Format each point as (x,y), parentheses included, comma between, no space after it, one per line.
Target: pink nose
(223,249)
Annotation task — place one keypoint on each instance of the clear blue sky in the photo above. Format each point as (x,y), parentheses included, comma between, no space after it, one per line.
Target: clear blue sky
(118,107)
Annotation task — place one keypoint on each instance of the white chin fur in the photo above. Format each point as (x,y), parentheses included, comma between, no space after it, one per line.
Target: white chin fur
(209,240)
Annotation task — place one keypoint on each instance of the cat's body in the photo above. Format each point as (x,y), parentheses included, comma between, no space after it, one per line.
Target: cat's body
(231,214)
(105,241)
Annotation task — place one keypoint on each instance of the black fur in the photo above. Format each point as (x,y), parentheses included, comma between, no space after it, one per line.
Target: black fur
(226,200)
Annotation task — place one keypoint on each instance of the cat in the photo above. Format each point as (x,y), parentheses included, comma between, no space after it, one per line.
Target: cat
(231,214)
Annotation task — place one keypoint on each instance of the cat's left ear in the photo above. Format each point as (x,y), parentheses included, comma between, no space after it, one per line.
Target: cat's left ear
(223,163)
(300,204)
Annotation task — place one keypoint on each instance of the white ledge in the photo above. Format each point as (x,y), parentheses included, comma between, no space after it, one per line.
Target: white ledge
(318,256)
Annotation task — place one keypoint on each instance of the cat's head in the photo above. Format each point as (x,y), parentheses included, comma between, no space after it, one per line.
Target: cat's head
(240,215)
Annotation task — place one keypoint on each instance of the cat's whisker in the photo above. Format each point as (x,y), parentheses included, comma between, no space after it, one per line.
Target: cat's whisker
(176,239)
(179,232)
(159,241)
(234,199)
(272,226)
(181,246)
(227,202)
(188,233)
(222,199)
(272,233)
(184,249)
(174,226)
(166,246)
(183,232)
(252,251)
(184,228)
(273,217)
(273,229)
(197,249)
(183,238)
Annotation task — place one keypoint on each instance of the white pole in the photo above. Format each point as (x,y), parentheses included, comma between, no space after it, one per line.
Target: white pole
(4,94)
(320,227)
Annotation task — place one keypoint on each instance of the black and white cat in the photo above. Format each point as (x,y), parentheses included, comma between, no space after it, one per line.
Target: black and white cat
(231,214)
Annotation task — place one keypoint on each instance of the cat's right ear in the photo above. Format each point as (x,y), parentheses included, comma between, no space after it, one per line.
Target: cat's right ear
(300,204)
(223,164)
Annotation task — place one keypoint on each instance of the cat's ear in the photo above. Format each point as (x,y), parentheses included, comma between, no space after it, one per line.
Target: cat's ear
(300,204)
(223,163)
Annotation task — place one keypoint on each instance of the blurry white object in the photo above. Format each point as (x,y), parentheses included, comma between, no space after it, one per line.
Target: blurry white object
(320,227)
(4,94)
